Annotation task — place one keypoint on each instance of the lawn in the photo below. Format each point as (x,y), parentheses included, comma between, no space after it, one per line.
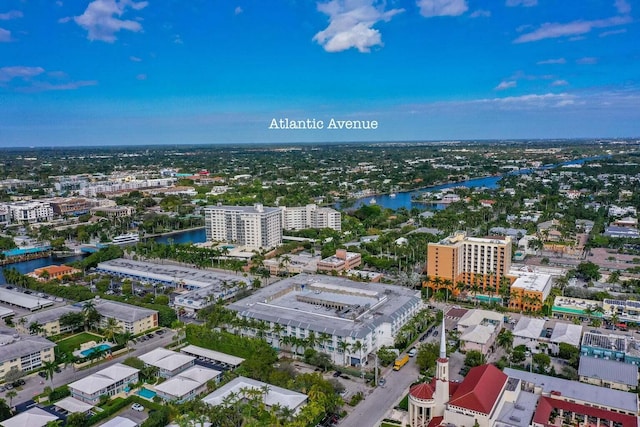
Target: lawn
(386,424)
(69,345)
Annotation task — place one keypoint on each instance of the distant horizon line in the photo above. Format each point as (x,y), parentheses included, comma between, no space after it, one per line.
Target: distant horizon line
(309,143)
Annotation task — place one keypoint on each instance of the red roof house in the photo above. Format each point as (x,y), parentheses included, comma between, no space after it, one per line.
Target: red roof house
(480,389)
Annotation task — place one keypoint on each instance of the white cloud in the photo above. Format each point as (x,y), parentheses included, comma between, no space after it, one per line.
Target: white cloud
(5,35)
(102,19)
(588,60)
(559,83)
(552,61)
(613,32)
(19,72)
(177,39)
(12,14)
(575,28)
(350,24)
(135,59)
(524,3)
(507,84)
(480,13)
(429,8)
(141,77)
(46,86)
(622,6)
(238,10)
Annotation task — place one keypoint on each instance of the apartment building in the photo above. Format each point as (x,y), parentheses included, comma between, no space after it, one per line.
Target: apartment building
(460,258)
(310,216)
(5,215)
(70,206)
(30,211)
(23,352)
(254,226)
(108,382)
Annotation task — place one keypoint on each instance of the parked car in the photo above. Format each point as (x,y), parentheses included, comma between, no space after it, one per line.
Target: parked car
(412,352)
(336,374)
(137,407)
(382,381)
(43,374)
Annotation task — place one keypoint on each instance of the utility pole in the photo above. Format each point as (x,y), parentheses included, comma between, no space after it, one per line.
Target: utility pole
(375,371)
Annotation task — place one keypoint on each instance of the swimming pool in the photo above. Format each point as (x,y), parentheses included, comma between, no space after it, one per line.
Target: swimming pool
(146,393)
(89,351)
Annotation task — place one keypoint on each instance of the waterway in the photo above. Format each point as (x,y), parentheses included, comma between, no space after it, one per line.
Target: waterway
(189,236)
(406,199)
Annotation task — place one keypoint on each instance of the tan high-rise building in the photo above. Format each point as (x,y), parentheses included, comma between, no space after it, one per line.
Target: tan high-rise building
(459,258)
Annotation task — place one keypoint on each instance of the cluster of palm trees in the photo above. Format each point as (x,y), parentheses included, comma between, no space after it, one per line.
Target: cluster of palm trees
(414,327)
(477,283)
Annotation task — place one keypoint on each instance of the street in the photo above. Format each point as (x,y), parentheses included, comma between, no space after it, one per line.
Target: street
(69,374)
(380,400)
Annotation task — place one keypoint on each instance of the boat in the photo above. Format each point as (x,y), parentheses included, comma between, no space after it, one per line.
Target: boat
(392,195)
(126,239)
(372,201)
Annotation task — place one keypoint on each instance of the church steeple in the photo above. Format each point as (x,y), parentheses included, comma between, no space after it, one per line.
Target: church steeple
(442,377)
(443,342)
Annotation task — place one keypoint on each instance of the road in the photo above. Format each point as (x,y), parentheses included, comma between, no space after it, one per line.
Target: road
(380,400)
(69,374)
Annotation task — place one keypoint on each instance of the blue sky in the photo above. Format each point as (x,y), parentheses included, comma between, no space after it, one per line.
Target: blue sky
(111,72)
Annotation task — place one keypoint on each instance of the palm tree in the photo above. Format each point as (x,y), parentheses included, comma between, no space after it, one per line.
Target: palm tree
(505,339)
(448,284)
(357,347)
(111,329)
(35,328)
(91,315)
(10,395)
(343,346)
(49,368)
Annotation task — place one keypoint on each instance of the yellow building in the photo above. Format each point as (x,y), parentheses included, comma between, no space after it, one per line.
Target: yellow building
(130,318)
(469,260)
(23,352)
(530,291)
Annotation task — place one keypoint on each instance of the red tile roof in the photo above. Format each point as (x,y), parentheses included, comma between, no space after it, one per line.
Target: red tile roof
(456,312)
(435,422)
(547,404)
(480,389)
(423,391)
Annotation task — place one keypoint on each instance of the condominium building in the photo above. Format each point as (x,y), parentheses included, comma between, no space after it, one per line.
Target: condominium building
(5,215)
(460,258)
(347,320)
(123,185)
(31,211)
(114,211)
(70,206)
(251,226)
(23,352)
(108,382)
(310,216)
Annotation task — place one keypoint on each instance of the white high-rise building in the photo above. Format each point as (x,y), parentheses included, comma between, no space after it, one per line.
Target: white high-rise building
(31,211)
(310,216)
(252,226)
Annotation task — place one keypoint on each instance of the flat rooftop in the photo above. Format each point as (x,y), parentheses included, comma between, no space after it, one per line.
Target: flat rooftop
(328,304)
(578,391)
(19,299)
(532,282)
(173,275)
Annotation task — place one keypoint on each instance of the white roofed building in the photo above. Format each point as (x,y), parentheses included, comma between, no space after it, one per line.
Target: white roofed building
(187,384)
(168,362)
(527,332)
(33,417)
(109,381)
(272,396)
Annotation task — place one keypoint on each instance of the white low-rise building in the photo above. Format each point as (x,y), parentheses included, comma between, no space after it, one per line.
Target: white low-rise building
(567,333)
(168,362)
(339,313)
(188,384)
(109,381)
(479,329)
(527,332)
(272,396)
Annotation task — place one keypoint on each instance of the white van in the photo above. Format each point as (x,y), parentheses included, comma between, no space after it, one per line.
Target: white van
(412,352)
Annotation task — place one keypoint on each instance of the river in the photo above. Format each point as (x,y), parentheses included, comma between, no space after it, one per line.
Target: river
(189,236)
(405,199)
